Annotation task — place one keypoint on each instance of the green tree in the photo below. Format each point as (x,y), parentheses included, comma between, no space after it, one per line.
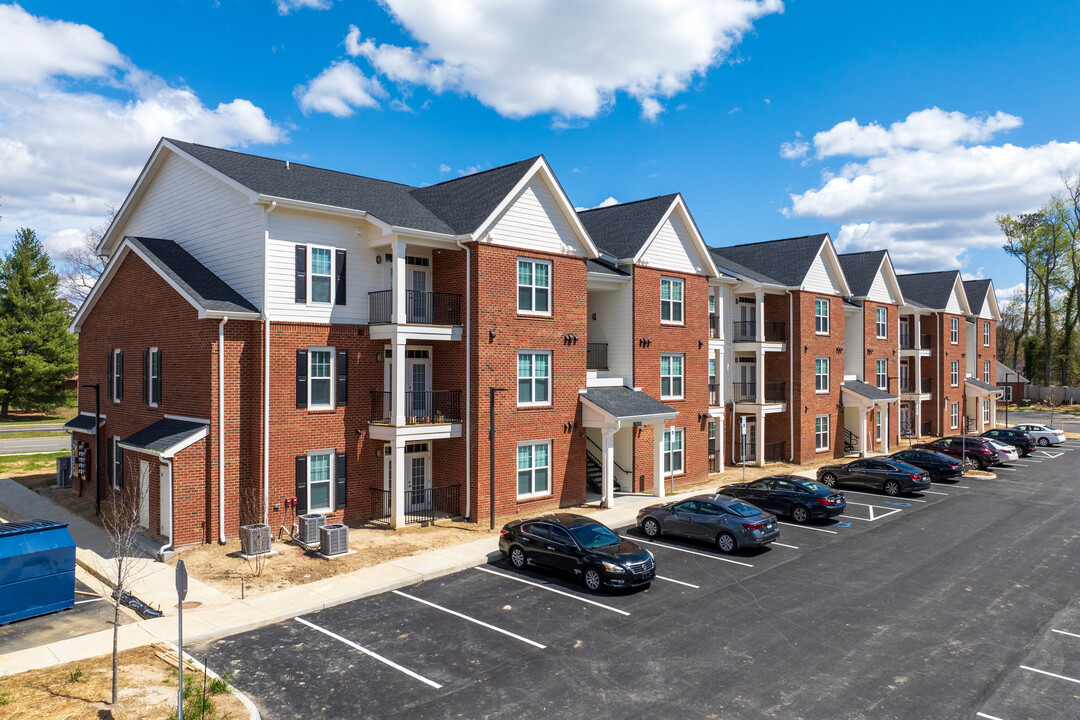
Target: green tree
(37,353)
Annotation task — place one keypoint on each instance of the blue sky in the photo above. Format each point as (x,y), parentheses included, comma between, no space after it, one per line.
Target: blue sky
(901,125)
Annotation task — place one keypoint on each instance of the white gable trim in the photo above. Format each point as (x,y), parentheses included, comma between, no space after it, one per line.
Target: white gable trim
(172,450)
(695,235)
(834,261)
(887,271)
(991,299)
(961,295)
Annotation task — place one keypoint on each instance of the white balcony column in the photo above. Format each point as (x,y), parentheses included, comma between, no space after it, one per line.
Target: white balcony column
(658,459)
(759,432)
(862,433)
(916,341)
(918,418)
(397,485)
(397,387)
(608,463)
(400,307)
(759,375)
(759,315)
(885,428)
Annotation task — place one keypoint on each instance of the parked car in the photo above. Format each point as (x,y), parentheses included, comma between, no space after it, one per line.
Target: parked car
(973,450)
(939,467)
(1024,442)
(1006,452)
(800,499)
(578,546)
(891,477)
(1044,434)
(722,519)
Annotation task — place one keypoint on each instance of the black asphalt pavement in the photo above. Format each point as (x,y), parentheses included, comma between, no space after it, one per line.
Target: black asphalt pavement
(1064,421)
(925,606)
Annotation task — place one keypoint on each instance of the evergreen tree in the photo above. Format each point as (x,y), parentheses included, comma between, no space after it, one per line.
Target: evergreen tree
(37,353)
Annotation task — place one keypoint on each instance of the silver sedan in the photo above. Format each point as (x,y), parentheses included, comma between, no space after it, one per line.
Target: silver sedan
(1044,434)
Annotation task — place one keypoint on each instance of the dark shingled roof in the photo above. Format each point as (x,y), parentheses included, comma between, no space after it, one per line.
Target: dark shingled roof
(81,423)
(981,385)
(860,269)
(205,287)
(620,230)
(930,289)
(452,207)
(164,434)
(782,262)
(867,391)
(604,268)
(976,294)
(624,402)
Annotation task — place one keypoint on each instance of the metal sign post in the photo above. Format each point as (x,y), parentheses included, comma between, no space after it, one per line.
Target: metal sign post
(742,429)
(671,455)
(181,593)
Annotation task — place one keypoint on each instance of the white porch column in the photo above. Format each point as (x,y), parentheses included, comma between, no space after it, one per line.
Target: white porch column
(397,388)
(658,459)
(759,438)
(608,463)
(400,316)
(759,315)
(885,428)
(397,485)
(862,432)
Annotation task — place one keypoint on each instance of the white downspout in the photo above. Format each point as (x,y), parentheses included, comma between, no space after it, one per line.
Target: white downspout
(940,371)
(468,379)
(221,429)
(172,507)
(791,374)
(266,366)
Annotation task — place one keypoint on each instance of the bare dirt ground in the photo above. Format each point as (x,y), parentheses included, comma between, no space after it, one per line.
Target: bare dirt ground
(80,690)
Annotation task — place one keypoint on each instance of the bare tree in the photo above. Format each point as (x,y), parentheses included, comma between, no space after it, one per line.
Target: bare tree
(82,266)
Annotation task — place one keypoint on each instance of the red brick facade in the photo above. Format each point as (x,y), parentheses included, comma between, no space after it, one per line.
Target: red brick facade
(875,349)
(808,402)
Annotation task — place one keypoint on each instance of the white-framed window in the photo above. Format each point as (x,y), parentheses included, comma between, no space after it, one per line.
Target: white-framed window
(954,415)
(320,274)
(673,451)
(954,331)
(320,378)
(877,425)
(986,410)
(671,301)
(821,374)
(986,333)
(533,469)
(954,373)
(153,380)
(117,375)
(534,286)
(821,432)
(883,374)
(320,485)
(671,376)
(821,316)
(117,463)
(534,377)
(986,371)
(882,322)
(1008,393)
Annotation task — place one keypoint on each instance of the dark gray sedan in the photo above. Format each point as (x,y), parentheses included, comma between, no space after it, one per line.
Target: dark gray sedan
(721,519)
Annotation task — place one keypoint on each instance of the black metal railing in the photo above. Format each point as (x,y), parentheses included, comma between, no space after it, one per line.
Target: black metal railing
(909,386)
(775,331)
(714,394)
(714,325)
(925,342)
(421,506)
(925,428)
(421,308)
(744,392)
(744,330)
(596,356)
(925,385)
(775,392)
(747,331)
(907,342)
(774,452)
(426,407)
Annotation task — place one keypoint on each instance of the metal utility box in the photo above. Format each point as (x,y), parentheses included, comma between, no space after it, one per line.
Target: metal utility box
(37,569)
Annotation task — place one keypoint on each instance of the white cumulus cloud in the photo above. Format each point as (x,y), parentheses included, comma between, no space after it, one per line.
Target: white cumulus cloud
(33,49)
(284,7)
(569,60)
(339,90)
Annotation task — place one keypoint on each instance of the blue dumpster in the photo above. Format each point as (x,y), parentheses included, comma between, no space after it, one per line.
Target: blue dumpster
(37,569)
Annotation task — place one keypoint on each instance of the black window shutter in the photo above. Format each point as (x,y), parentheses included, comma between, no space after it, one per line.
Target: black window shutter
(156,390)
(301,273)
(109,378)
(339,291)
(145,375)
(301,378)
(341,473)
(301,484)
(341,392)
(119,374)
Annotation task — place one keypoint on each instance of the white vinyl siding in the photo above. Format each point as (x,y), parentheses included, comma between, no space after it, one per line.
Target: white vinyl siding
(882,323)
(954,373)
(821,375)
(320,378)
(614,325)
(534,378)
(671,377)
(671,301)
(533,469)
(822,277)
(821,316)
(320,485)
(673,249)
(881,290)
(533,286)
(535,221)
(953,305)
(821,432)
(673,451)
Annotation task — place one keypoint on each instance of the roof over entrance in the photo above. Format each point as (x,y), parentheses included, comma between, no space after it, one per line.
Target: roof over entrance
(982,388)
(867,394)
(166,437)
(627,404)
(82,423)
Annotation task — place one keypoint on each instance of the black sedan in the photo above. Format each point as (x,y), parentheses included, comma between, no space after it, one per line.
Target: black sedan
(791,495)
(720,519)
(939,467)
(891,477)
(579,546)
(1023,442)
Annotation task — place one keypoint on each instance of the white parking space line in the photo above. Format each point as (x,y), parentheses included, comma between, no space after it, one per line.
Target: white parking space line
(962,487)
(793,547)
(691,552)
(1053,675)
(884,498)
(1005,469)
(1048,455)
(1025,460)
(678,582)
(1062,632)
(555,590)
(934,492)
(371,654)
(873,515)
(804,527)
(481,623)
(988,717)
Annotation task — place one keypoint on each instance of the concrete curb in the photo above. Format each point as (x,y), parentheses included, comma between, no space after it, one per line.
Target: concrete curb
(253,711)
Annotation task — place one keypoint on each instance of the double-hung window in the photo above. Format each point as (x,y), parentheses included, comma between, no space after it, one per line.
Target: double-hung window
(320,378)
(671,376)
(153,387)
(882,323)
(883,374)
(534,377)
(821,432)
(821,316)
(954,373)
(117,371)
(986,411)
(986,371)
(673,451)
(877,425)
(986,333)
(533,469)
(534,286)
(322,274)
(954,331)
(954,415)
(671,301)
(117,464)
(320,481)
(821,374)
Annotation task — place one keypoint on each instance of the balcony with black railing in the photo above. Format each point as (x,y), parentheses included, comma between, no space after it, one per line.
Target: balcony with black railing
(714,394)
(596,356)
(907,341)
(775,392)
(421,506)
(774,452)
(714,326)
(747,331)
(426,407)
(744,392)
(421,308)
(907,385)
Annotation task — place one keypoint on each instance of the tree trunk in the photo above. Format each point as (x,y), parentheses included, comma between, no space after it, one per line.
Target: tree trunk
(1049,327)
(4,408)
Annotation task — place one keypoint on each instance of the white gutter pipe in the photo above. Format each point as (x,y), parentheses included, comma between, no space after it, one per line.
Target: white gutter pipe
(468,380)
(172,507)
(941,370)
(266,366)
(221,429)
(791,374)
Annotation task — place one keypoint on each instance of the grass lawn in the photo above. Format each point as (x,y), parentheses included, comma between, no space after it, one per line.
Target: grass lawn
(14,466)
(57,417)
(31,434)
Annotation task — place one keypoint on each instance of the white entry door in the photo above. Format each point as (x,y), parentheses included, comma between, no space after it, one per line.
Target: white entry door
(164,498)
(419,301)
(144,494)
(418,479)
(417,385)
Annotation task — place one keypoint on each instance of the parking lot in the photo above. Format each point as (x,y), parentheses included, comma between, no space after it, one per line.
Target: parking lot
(953,603)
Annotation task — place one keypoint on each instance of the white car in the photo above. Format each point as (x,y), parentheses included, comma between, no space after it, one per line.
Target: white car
(1044,434)
(1006,453)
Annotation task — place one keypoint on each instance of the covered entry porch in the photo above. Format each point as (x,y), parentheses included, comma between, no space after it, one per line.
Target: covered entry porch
(866,418)
(980,405)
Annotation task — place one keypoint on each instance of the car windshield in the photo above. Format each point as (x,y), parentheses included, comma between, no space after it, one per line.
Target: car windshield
(742,509)
(813,486)
(593,535)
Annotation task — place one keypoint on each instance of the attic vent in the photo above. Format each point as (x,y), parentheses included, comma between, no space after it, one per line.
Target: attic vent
(745,360)
(746,301)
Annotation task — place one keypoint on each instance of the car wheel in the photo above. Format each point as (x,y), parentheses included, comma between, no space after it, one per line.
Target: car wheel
(517,557)
(970,464)
(891,488)
(593,580)
(800,514)
(980,464)
(828,479)
(651,528)
(1043,442)
(935,476)
(725,542)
